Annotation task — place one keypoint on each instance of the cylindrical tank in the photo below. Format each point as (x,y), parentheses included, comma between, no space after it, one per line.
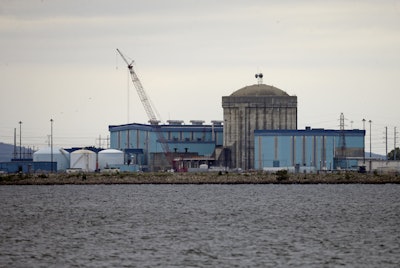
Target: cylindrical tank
(110,158)
(84,160)
(60,156)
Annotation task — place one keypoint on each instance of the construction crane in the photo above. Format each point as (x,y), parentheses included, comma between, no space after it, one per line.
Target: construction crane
(149,108)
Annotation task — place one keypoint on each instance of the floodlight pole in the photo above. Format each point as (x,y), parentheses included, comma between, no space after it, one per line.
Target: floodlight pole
(51,143)
(370,146)
(20,140)
(364,141)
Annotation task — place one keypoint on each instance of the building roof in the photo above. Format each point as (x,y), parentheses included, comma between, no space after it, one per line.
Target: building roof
(259,90)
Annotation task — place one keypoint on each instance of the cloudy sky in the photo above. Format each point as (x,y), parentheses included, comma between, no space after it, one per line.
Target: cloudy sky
(58,60)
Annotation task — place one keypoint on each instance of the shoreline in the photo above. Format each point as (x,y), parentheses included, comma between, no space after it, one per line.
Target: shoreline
(197,178)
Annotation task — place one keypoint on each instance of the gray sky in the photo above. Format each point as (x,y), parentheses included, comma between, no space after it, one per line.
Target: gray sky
(58,60)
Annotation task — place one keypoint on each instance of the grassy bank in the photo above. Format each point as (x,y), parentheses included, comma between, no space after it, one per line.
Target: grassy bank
(196,178)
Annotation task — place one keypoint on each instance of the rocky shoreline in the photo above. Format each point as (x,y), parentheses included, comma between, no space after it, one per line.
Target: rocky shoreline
(198,178)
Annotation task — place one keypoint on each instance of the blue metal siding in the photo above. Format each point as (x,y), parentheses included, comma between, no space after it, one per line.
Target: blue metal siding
(114,140)
(206,149)
(267,151)
(174,135)
(298,159)
(198,136)
(142,139)
(309,145)
(330,141)
(355,142)
(207,135)
(219,141)
(284,151)
(123,139)
(315,147)
(154,145)
(187,135)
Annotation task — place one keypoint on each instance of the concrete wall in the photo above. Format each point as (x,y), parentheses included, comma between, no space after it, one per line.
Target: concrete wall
(381,166)
(244,114)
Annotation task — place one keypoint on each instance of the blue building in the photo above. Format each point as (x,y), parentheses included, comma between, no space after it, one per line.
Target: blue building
(189,146)
(312,149)
(152,146)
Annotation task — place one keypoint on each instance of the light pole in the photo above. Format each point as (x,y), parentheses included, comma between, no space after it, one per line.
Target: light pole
(364,142)
(51,143)
(20,140)
(370,147)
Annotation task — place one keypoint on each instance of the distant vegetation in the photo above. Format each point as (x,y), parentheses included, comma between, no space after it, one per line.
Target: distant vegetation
(7,151)
(280,177)
(394,154)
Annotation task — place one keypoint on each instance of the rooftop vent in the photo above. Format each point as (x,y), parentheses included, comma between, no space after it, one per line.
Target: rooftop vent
(197,122)
(175,122)
(154,122)
(216,122)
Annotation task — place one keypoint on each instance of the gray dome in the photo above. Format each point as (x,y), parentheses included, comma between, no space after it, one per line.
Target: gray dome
(259,90)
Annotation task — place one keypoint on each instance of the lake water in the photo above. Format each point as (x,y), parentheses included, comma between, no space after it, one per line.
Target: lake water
(200,226)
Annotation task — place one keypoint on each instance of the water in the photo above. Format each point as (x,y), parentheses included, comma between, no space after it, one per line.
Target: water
(200,226)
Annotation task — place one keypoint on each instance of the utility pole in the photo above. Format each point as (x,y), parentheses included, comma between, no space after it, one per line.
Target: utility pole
(100,140)
(51,143)
(364,141)
(370,146)
(386,143)
(20,140)
(15,143)
(394,152)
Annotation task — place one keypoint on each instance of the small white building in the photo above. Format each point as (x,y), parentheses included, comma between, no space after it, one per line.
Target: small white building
(84,160)
(59,155)
(110,158)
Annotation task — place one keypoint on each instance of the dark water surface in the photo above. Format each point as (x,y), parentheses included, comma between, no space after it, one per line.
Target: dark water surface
(200,226)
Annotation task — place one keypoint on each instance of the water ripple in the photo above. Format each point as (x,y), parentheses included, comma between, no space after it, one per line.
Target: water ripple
(200,226)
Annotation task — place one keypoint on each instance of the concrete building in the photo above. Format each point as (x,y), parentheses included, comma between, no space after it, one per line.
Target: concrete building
(310,149)
(256,107)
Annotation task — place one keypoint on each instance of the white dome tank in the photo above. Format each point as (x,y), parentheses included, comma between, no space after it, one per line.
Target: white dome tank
(83,159)
(60,156)
(110,158)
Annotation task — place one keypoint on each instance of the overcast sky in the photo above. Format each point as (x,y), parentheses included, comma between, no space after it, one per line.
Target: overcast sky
(58,60)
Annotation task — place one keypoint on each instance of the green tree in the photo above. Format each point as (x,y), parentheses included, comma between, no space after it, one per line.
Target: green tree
(391,155)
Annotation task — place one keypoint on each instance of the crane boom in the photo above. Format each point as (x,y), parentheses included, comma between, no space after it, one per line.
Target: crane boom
(149,108)
(140,90)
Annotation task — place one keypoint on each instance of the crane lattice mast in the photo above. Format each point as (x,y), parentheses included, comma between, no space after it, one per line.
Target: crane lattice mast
(148,107)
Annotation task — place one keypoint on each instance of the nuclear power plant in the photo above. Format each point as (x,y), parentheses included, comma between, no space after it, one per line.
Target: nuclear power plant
(258,132)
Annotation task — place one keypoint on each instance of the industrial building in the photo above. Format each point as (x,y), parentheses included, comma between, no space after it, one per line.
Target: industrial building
(308,149)
(258,131)
(175,145)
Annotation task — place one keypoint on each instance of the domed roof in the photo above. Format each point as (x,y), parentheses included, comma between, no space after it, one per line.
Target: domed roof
(259,90)
(47,150)
(111,151)
(83,151)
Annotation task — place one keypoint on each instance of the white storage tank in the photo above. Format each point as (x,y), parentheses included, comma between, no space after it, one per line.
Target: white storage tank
(60,156)
(83,159)
(110,158)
